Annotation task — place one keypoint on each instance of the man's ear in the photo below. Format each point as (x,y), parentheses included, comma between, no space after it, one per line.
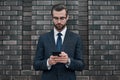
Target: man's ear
(67,17)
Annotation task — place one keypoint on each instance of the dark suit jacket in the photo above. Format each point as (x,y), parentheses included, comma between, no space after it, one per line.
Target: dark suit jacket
(72,45)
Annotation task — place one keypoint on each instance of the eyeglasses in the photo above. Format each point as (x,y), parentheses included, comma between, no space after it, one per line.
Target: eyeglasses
(61,18)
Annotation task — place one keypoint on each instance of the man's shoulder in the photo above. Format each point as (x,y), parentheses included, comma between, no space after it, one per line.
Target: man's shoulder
(44,35)
(73,34)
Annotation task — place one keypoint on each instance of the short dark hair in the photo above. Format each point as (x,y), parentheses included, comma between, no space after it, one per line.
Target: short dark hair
(59,7)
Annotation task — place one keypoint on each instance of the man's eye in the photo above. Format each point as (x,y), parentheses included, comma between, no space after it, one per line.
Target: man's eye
(55,18)
(62,18)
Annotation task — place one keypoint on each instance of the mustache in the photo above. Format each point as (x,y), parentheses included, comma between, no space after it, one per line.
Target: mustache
(59,24)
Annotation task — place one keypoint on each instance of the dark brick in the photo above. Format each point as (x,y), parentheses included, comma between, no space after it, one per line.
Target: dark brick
(11,72)
(27,72)
(97,78)
(16,8)
(4,7)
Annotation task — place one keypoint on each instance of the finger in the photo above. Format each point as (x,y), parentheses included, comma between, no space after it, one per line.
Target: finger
(64,54)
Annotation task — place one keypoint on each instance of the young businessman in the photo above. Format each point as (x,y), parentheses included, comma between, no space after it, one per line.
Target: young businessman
(59,52)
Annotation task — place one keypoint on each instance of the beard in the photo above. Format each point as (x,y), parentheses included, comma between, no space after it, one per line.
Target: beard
(59,26)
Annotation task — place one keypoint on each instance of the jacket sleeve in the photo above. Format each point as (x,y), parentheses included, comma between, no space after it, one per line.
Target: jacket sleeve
(40,63)
(77,61)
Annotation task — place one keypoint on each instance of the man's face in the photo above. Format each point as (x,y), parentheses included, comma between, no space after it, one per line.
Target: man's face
(60,19)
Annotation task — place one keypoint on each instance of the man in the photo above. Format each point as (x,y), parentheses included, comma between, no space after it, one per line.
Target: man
(59,56)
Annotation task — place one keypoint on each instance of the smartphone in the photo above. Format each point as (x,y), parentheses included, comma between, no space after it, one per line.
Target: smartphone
(56,53)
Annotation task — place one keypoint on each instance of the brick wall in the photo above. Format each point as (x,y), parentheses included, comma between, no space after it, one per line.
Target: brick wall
(104,41)
(22,21)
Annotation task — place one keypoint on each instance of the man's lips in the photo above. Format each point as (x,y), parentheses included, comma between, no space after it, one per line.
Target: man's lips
(59,24)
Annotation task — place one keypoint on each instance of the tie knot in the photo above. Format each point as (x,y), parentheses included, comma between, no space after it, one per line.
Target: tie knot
(59,34)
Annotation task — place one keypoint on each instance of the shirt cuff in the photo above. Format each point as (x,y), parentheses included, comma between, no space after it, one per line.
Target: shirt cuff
(68,63)
(49,66)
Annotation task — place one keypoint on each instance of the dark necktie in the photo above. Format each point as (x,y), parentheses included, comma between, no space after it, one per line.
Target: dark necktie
(59,42)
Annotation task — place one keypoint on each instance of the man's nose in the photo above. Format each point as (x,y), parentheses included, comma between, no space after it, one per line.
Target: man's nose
(59,20)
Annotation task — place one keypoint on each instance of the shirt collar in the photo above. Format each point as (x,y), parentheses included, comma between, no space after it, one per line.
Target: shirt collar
(62,32)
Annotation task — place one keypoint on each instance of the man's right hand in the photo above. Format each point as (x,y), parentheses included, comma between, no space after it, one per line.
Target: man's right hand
(51,60)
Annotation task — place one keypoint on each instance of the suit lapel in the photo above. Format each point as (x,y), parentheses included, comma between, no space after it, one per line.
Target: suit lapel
(66,39)
(52,41)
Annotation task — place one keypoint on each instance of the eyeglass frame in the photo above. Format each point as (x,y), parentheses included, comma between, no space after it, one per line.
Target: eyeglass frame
(61,18)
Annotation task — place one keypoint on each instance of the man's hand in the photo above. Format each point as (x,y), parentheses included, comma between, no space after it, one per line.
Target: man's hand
(51,60)
(62,58)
